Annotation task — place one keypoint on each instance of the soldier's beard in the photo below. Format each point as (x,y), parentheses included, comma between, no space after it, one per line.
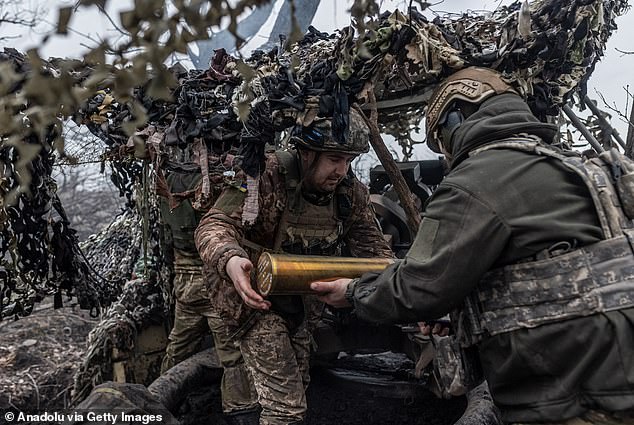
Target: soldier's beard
(317,197)
(327,187)
(314,183)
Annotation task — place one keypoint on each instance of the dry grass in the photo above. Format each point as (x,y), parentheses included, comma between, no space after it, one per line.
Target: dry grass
(39,355)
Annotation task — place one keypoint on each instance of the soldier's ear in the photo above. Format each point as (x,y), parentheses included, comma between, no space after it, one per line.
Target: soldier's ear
(306,156)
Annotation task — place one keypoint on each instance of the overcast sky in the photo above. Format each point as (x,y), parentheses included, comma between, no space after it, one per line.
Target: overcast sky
(610,77)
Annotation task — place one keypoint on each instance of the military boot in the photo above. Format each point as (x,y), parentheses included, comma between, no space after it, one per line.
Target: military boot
(243,417)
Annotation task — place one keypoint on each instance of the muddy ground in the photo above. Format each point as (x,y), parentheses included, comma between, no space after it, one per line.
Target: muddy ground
(328,405)
(39,355)
(354,390)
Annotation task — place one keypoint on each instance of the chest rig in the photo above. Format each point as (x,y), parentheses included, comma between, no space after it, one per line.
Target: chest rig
(183,219)
(592,279)
(306,228)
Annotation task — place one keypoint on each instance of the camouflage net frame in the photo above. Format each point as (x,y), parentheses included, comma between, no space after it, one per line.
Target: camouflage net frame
(549,52)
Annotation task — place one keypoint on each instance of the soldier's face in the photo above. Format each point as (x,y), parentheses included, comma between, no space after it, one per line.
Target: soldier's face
(327,172)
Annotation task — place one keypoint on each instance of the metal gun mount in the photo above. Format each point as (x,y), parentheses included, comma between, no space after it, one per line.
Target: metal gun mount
(421,178)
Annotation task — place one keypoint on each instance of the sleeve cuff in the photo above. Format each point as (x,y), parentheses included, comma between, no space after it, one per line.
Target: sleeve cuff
(225,256)
(349,294)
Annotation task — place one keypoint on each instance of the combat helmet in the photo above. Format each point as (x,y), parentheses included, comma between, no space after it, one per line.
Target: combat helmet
(318,136)
(472,85)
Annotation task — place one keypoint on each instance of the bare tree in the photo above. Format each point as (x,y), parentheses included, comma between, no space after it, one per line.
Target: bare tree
(88,198)
(83,184)
(629,140)
(13,13)
(624,117)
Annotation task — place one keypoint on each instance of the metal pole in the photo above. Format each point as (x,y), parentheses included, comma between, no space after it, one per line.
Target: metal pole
(582,128)
(599,114)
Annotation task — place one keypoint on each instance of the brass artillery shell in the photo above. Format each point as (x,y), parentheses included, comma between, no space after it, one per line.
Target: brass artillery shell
(281,274)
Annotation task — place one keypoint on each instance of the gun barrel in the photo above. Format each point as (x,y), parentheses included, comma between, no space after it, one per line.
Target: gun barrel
(281,274)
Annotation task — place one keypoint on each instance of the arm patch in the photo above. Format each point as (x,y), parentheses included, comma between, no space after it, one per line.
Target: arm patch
(423,244)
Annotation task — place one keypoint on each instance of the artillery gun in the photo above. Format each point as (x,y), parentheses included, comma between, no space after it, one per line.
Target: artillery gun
(385,371)
(559,49)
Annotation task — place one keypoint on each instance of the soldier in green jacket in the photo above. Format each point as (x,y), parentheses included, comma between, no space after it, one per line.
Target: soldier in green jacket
(520,246)
(194,316)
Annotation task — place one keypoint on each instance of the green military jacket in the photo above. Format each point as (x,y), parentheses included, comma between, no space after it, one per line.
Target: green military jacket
(493,209)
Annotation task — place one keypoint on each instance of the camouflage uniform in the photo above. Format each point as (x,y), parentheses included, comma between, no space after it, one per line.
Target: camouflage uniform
(497,210)
(194,316)
(276,343)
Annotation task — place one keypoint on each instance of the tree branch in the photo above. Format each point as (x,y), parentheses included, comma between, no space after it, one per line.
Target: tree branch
(114,24)
(625,52)
(614,108)
(629,140)
(405,196)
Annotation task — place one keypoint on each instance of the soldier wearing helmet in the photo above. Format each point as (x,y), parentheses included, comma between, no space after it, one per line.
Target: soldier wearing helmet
(194,317)
(526,247)
(306,201)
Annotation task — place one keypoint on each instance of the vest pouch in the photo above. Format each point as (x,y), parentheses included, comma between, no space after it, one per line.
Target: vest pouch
(183,219)
(622,170)
(448,377)
(456,369)
(625,188)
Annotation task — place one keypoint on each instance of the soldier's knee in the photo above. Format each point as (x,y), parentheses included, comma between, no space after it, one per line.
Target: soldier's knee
(229,357)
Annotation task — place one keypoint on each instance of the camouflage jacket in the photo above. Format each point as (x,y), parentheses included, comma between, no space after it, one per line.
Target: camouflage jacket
(220,232)
(496,208)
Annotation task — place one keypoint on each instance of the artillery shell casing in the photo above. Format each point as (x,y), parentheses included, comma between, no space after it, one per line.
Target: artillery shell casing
(280,274)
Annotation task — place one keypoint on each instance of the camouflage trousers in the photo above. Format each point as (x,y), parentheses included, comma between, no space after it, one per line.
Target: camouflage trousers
(278,362)
(192,322)
(594,417)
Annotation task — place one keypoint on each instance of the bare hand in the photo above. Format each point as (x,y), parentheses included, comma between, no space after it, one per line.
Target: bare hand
(239,270)
(332,292)
(436,328)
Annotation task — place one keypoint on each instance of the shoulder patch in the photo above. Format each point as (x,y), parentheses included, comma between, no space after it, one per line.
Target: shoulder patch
(231,199)
(423,244)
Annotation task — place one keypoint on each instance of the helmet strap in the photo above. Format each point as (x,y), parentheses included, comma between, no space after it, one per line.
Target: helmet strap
(449,126)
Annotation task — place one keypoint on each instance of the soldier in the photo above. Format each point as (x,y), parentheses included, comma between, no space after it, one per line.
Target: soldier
(307,202)
(194,316)
(518,242)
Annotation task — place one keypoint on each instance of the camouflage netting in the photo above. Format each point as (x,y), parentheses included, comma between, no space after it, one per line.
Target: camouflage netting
(129,253)
(550,51)
(38,247)
(139,306)
(113,252)
(183,119)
